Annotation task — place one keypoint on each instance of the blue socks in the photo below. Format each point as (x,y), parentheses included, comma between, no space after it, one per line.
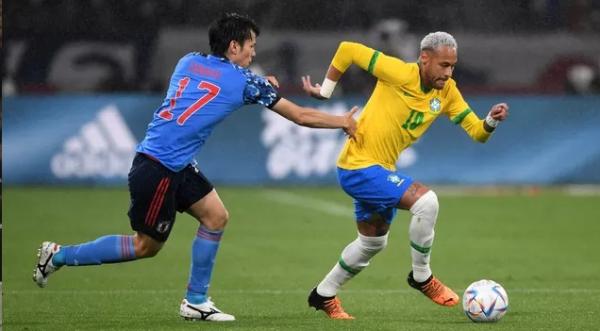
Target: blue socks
(118,248)
(204,250)
(107,249)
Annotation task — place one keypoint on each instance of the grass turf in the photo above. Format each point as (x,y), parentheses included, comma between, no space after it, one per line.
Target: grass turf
(542,248)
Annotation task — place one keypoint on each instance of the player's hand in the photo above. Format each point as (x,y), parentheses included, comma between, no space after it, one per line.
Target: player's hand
(350,127)
(273,81)
(499,112)
(310,89)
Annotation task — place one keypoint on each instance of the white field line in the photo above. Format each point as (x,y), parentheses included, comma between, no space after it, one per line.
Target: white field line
(289,291)
(336,209)
(346,211)
(584,190)
(306,202)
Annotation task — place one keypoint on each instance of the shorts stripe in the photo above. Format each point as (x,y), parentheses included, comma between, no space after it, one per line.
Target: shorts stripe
(157,201)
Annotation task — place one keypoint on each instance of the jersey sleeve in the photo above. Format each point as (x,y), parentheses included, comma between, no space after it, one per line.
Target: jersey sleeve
(258,90)
(386,68)
(459,112)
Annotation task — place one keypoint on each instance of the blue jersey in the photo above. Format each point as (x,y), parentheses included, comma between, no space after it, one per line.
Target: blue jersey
(204,89)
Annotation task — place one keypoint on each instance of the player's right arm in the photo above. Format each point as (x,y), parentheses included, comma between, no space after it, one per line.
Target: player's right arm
(260,90)
(386,68)
(313,118)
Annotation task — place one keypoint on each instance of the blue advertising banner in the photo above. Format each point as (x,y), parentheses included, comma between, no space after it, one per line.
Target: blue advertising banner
(90,140)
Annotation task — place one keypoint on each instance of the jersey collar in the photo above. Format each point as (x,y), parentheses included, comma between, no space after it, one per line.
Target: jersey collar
(220,58)
(424,88)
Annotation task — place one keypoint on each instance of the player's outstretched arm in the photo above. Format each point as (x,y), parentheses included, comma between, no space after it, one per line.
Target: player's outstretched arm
(481,130)
(322,92)
(387,68)
(497,114)
(313,118)
(273,80)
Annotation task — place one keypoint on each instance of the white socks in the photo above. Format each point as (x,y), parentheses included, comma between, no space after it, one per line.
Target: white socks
(357,254)
(355,257)
(421,234)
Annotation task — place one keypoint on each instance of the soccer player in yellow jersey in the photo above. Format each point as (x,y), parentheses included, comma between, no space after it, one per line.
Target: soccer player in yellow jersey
(408,97)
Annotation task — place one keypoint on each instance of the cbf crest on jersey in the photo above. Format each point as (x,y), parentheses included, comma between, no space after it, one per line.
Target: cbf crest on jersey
(435,105)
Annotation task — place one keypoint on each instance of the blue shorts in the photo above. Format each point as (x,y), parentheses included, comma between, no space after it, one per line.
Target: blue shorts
(375,190)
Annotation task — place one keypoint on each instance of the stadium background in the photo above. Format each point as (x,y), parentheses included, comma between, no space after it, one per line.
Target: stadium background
(82,78)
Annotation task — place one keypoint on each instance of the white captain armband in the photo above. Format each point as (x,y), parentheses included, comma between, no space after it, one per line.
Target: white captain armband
(327,88)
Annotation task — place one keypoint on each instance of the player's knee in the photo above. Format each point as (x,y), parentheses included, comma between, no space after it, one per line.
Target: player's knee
(216,220)
(145,246)
(426,205)
(147,251)
(373,245)
(223,218)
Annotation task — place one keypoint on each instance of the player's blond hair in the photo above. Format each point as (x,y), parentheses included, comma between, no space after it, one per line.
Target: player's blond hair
(437,39)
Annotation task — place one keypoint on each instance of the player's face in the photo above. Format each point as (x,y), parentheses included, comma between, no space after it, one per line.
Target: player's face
(243,55)
(438,66)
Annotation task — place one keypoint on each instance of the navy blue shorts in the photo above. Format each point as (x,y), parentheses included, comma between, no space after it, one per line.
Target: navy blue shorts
(157,193)
(374,190)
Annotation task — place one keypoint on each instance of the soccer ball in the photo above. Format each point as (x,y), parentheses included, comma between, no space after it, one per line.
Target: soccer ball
(485,301)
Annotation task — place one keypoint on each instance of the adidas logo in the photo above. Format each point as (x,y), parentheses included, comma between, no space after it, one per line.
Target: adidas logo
(104,147)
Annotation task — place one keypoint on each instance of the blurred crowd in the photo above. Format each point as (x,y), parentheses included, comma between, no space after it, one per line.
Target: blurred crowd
(113,40)
(97,16)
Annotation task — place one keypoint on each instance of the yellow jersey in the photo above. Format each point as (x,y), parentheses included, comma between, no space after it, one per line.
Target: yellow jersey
(399,110)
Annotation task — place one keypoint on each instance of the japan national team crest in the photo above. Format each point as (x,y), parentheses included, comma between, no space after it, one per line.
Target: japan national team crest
(435,105)
(163,226)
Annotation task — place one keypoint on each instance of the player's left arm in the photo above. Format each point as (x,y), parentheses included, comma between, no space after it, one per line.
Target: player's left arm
(497,114)
(479,130)
(273,80)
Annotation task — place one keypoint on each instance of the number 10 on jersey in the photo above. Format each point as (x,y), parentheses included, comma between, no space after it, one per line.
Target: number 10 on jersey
(414,120)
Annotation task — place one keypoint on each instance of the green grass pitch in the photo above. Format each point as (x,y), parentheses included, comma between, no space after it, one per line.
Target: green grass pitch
(544,249)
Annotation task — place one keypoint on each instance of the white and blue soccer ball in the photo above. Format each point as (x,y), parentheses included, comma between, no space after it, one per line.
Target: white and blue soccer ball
(485,301)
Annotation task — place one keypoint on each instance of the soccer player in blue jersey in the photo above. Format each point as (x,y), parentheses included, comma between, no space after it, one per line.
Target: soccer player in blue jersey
(163,179)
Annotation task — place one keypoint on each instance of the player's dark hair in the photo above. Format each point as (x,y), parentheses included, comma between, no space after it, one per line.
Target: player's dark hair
(228,27)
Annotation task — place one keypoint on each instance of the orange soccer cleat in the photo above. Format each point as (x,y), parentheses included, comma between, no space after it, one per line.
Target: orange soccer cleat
(435,290)
(332,306)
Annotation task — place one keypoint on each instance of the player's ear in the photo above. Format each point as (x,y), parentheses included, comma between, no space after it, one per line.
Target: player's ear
(234,47)
(424,57)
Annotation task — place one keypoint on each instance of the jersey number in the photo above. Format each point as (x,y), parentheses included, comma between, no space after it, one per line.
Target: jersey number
(414,120)
(211,89)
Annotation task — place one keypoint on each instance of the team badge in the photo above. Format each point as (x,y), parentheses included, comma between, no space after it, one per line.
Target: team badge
(163,226)
(435,105)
